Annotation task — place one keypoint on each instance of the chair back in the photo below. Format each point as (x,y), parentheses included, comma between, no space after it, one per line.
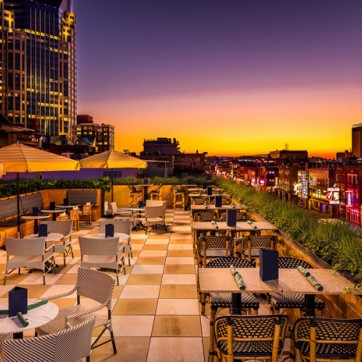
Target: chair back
(86,209)
(155,211)
(205,216)
(198,201)
(155,202)
(250,245)
(213,247)
(227,261)
(292,263)
(25,247)
(60,227)
(326,338)
(120,226)
(98,246)
(95,285)
(71,344)
(74,214)
(113,207)
(250,336)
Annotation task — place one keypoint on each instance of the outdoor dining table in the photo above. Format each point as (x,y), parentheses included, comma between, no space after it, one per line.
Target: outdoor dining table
(241,226)
(210,207)
(123,238)
(213,280)
(54,212)
(36,219)
(36,317)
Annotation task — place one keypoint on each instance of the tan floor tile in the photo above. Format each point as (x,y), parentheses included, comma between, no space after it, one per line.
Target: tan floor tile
(179,269)
(180,260)
(180,253)
(140,291)
(117,291)
(157,242)
(152,253)
(64,302)
(185,246)
(178,279)
(158,236)
(136,306)
(130,349)
(175,349)
(178,291)
(67,279)
(146,279)
(148,269)
(151,260)
(155,246)
(178,307)
(205,343)
(137,241)
(180,241)
(167,326)
(126,325)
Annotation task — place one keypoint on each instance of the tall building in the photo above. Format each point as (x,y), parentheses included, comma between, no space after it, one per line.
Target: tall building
(357,140)
(38,65)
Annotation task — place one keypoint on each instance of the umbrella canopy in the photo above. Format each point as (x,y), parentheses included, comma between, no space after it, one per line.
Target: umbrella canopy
(112,159)
(2,170)
(21,158)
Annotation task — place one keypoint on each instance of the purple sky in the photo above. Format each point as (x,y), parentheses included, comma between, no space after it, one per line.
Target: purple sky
(131,52)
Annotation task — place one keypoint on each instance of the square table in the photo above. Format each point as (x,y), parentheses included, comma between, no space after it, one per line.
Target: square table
(289,281)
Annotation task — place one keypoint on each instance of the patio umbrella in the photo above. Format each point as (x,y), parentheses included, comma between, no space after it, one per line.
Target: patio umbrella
(2,171)
(21,158)
(112,159)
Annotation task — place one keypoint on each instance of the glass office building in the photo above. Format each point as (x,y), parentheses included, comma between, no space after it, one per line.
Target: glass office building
(38,65)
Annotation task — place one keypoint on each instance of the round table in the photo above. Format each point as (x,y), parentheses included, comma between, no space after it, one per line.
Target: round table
(36,317)
(36,219)
(54,212)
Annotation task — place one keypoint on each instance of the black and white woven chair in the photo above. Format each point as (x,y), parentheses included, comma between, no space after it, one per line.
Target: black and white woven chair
(221,300)
(71,345)
(240,337)
(92,285)
(248,247)
(211,247)
(317,339)
(280,301)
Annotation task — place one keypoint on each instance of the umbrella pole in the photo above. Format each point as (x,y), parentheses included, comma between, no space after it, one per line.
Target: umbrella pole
(112,184)
(18,201)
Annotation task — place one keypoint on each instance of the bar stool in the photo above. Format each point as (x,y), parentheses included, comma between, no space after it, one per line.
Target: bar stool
(178,197)
(134,196)
(156,194)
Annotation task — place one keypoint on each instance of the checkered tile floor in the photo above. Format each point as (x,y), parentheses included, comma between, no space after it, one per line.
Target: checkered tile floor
(155,308)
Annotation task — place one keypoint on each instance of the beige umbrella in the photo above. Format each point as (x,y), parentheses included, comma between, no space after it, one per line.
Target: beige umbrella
(112,159)
(21,158)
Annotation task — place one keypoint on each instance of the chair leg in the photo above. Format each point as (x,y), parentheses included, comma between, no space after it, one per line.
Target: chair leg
(213,311)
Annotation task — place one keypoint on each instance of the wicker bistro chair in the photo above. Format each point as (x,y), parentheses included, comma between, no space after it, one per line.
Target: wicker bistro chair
(250,337)
(199,201)
(279,301)
(156,194)
(210,247)
(74,216)
(248,247)
(134,195)
(86,214)
(154,216)
(120,226)
(91,285)
(29,253)
(71,345)
(179,199)
(63,246)
(205,216)
(101,253)
(317,339)
(223,300)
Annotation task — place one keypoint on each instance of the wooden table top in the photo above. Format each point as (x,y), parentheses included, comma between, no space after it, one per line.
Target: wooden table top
(240,226)
(213,207)
(289,281)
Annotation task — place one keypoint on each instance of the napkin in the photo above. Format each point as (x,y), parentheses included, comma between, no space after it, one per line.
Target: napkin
(22,320)
(238,279)
(213,222)
(37,304)
(315,284)
(304,271)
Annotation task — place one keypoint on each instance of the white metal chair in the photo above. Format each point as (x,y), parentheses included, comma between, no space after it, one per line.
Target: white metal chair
(102,253)
(91,285)
(71,345)
(63,246)
(29,253)
(154,216)
(120,226)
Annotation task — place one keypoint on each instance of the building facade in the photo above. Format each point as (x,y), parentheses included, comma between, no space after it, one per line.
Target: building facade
(38,83)
(357,140)
(101,136)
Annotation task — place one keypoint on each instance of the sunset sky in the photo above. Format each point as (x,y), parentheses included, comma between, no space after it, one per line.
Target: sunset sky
(229,77)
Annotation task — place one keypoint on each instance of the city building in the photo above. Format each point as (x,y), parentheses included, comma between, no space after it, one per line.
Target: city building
(100,136)
(357,140)
(38,80)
